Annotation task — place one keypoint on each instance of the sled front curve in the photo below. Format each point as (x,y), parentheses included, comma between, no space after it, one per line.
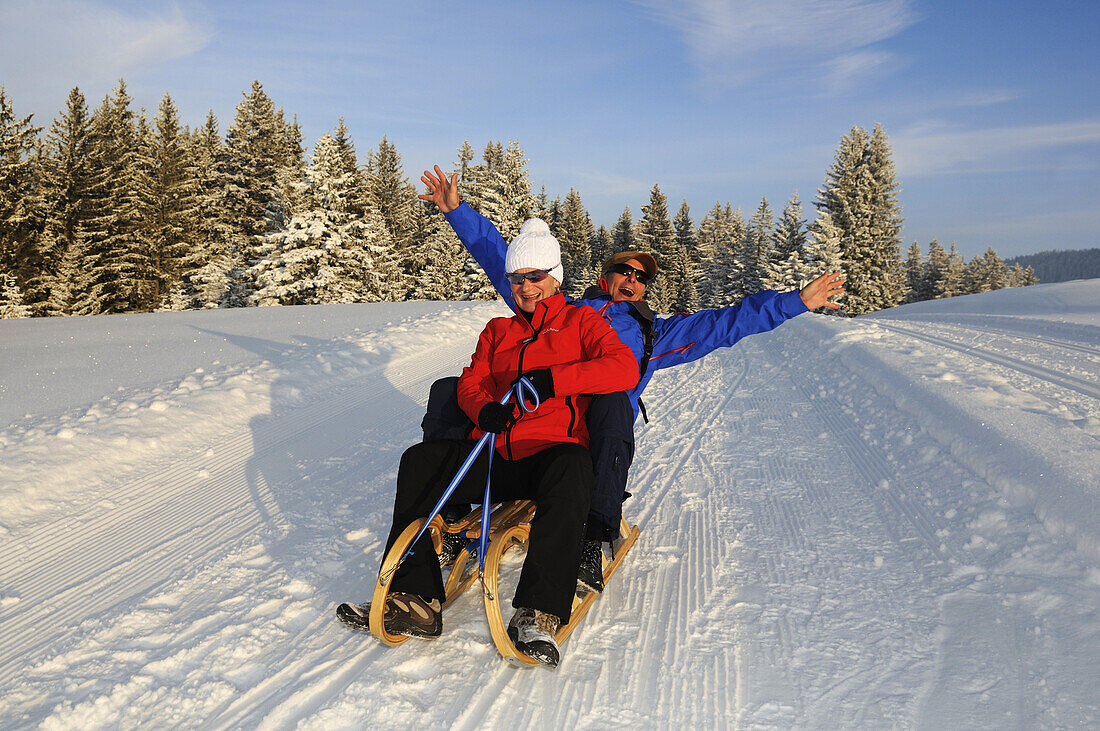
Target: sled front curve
(517,536)
(385,578)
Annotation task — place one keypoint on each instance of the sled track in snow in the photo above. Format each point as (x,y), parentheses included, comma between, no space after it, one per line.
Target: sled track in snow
(1013,326)
(1046,374)
(194,506)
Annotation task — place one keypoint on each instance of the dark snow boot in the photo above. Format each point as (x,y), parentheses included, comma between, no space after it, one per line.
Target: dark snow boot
(533,633)
(590,572)
(406,614)
(450,545)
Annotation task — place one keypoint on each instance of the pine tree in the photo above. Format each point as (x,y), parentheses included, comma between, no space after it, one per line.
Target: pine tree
(542,205)
(465,159)
(860,194)
(914,269)
(711,232)
(655,236)
(308,263)
(67,183)
(205,270)
(553,216)
(720,236)
(954,280)
(11,299)
(21,207)
(685,296)
(757,251)
(475,284)
(175,220)
(787,268)
(985,273)
(394,197)
(140,261)
(622,234)
(442,277)
(255,198)
(934,282)
(505,190)
(478,189)
(1016,275)
(602,249)
(383,280)
(291,172)
(116,274)
(575,232)
(823,251)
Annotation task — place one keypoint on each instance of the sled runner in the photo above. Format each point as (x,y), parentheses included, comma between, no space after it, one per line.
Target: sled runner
(509,527)
(517,535)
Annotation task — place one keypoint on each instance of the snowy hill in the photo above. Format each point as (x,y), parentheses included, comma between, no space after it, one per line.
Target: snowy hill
(888,521)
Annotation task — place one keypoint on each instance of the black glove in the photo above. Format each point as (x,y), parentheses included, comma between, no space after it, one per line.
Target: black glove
(495,418)
(542,381)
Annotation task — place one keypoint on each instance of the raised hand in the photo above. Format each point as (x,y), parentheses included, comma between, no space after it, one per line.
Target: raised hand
(817,293)
(442,192)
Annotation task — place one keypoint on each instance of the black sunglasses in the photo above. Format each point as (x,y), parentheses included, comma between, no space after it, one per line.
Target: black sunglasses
(640,275)
(535,276)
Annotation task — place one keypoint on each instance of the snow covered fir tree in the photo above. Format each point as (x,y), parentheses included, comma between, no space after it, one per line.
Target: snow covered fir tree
(110,211)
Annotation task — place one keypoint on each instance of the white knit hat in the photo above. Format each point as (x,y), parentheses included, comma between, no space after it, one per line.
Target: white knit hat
(535,247)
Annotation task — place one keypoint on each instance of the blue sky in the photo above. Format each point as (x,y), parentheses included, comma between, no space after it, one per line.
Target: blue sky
(991,108)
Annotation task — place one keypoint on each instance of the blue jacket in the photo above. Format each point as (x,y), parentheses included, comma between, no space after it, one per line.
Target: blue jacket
(677,339)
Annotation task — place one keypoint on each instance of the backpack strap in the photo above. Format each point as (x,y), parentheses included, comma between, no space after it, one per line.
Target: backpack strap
(644,316)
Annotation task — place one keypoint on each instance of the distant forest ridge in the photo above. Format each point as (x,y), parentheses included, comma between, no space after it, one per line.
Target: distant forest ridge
(1061,266)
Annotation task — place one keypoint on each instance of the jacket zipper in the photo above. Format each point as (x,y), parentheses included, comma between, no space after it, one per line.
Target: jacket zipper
(572,414)
(522,350)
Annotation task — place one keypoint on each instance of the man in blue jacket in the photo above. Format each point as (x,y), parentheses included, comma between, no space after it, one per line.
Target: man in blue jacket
(657,342)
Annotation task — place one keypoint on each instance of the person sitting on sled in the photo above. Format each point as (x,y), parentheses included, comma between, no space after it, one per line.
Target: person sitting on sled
(657,342)
(566,353)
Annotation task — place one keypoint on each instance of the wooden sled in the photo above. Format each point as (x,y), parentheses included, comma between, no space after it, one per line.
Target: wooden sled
(509,526)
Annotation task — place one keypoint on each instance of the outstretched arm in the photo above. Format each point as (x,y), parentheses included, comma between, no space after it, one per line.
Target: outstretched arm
(441,192)
(477,233)
(817,293)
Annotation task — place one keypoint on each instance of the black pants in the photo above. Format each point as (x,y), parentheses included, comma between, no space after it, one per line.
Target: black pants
(611,435)
(559,480)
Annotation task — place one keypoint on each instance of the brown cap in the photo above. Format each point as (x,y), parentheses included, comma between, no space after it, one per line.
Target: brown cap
(648,262)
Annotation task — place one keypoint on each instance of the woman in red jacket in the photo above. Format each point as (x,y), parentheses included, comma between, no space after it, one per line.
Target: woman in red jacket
(566,352)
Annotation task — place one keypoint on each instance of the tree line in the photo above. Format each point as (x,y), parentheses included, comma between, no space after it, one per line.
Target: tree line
(110,211)
(1062,266)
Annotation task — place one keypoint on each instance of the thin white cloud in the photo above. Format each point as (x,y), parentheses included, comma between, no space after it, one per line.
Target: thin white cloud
(935,148)
(735,40)
(848,70)
(49,46)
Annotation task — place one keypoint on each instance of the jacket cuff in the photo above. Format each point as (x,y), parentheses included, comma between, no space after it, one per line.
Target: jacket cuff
(457,213)
(791,304)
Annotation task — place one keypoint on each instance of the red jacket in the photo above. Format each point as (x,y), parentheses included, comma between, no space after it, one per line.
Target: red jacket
(584,356)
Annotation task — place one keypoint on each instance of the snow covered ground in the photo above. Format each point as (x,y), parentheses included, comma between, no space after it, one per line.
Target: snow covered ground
(892,521)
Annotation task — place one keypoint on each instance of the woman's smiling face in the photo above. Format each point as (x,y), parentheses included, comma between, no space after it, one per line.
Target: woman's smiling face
(528,293)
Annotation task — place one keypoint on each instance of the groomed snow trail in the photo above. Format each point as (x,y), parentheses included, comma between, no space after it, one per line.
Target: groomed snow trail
(888,521)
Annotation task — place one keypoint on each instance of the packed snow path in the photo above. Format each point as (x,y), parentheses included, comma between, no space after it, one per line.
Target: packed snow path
(887,521)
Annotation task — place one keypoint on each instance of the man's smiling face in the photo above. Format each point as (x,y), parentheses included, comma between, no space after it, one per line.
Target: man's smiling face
(625,287)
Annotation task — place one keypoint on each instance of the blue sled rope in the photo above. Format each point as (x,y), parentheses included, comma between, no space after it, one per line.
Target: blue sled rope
(521,391)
